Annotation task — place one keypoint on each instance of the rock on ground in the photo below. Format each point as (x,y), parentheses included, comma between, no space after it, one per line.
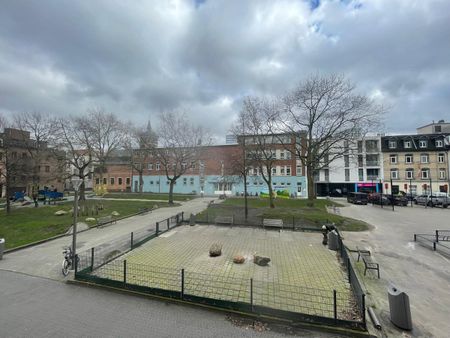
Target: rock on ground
(60,213)
(215,250)
(238,259)
(261,260)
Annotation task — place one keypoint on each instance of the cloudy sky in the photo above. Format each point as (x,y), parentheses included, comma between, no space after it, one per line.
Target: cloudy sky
(138,58)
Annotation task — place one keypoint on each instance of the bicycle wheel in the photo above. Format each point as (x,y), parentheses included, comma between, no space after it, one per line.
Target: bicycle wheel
(65,267)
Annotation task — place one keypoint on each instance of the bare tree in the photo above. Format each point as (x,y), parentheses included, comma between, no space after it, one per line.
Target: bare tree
(140,143)
(41,128)
(179,146)
(259,115)
(72,137)
(327,112)
(106,134)
(15,165)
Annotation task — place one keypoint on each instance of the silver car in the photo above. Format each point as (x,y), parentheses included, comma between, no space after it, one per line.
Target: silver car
(433,200)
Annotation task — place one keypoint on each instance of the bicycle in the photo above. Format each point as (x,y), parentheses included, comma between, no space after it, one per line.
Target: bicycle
(68,260)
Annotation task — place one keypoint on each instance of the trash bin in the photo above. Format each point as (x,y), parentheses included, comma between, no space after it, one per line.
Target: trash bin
(333,243)
(192,219)
(399,308)
(2,247)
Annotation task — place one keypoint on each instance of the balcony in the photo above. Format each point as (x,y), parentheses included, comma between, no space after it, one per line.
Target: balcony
(372,150)
(372,163)
(372,177)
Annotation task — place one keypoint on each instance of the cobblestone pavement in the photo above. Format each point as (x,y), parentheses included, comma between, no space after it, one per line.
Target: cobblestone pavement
(37,307)
(300,277)
(423,274)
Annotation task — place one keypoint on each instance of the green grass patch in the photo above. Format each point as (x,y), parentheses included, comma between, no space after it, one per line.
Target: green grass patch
(149,196)
(291,211)
(28,224)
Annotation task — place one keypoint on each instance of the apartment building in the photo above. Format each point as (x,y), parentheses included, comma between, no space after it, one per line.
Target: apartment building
(358,169)
(416,164)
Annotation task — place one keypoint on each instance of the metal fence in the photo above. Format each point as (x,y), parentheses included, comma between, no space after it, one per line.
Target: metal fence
(106,265)
(439,241)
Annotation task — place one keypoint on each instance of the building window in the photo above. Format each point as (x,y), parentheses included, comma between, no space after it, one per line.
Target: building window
(394,174)
(407,144)
(347,175)
(424,158)
(425,173)
(97,181)
(392,144)
(441,157)
(422,144)
(150,166)
(439,143)
(119,181)
(151,182)
(192,165)
(47,168)
(274,171)
(409,158)
(282,155)
(183,166)
(192,181)
(393,159)
(438,129)
(288,171)
(441,173)
(158,166)
(361,175)
(111,180)
(282,171)
(288,155)
(360,148)
(299,170)
(409,174)
(184,181)
(128,181)
(346,161)
(360,161)
(371,146)
(327,174)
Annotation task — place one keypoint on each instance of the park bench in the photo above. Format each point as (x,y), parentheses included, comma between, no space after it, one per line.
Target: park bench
(224,220)
(273,223)
(368,263)
(105,220)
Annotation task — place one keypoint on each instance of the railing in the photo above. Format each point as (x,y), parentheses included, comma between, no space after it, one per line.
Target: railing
(109,265)
(439,241)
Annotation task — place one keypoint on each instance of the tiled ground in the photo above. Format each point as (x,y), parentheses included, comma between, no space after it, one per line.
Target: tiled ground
(300,277)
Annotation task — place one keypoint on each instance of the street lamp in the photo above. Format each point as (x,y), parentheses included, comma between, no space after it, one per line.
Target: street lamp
(76,183)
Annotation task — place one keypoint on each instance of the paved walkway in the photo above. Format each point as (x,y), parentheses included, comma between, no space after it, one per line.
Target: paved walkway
(45,260)
(423,274)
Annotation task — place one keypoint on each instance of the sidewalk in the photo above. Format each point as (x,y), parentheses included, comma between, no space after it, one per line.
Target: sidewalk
(45,260)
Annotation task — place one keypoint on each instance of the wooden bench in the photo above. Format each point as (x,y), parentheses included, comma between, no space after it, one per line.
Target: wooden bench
(273,223)
(368,263)
(105,220)
(224,220)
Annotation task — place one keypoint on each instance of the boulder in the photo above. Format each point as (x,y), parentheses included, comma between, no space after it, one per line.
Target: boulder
(60,213)
(90,219)
(261,260)
(115,213)
(215,250)
(238,259)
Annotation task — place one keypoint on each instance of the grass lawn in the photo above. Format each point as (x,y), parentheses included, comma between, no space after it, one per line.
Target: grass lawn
(28,224)
(298,210)
(149,196)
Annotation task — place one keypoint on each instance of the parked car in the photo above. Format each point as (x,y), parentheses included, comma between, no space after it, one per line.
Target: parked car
(357,198)
(399,200)
(433,200)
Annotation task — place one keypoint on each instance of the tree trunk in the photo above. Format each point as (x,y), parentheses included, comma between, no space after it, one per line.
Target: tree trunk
(272,204)
(245,197)
(310,178)
(171,191)
(82,194)
(141,182)
(8,202)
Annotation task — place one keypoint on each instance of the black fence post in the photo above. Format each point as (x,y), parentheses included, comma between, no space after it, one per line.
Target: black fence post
(182,216)
(348,270)
(415,238)
(76,265)
(437,235)
(182,283)
(335,305)
(92,259)
(251,293)
(363,306)
(125,272)
(168,223)
(131,240)
(157,228)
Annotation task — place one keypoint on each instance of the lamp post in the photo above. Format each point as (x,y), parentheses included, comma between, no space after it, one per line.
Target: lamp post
(410,191)
(76,183)
(431,192)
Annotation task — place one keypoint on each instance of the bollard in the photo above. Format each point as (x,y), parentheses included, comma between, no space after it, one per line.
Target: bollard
(157,228)
(92,259)
(182,283)
(335,304)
